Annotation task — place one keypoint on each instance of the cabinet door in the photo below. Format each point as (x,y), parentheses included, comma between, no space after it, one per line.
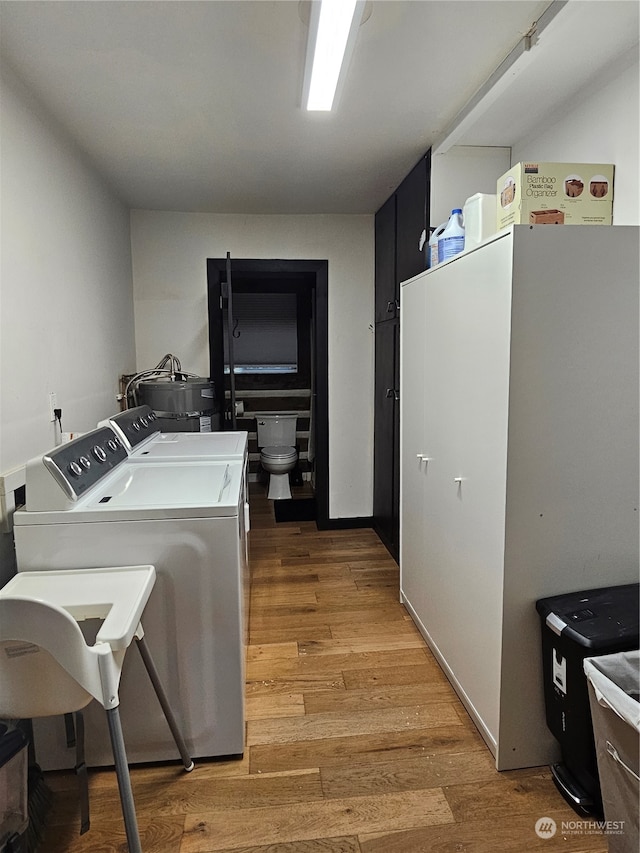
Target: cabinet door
(385,232)
(414,468)
(385,507)
(467,393)
(411,221)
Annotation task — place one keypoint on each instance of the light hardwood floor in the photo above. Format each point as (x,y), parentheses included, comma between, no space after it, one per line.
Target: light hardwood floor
(356,743)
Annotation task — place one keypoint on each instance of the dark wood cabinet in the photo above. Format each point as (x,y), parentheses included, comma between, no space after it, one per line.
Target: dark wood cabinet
(411,223)
(386,459)
(399,225)
(386,280)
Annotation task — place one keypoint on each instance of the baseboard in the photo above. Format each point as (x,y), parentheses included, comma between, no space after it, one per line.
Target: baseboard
(487,736)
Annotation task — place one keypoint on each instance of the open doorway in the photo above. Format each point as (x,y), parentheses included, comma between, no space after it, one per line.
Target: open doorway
(281,309)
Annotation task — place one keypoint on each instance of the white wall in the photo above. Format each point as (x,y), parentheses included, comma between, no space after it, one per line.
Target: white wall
(66,308)
(66,321)
(461,172)
(601,127)
(170,296)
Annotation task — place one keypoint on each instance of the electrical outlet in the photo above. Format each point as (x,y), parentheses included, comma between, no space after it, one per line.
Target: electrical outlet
(53,404)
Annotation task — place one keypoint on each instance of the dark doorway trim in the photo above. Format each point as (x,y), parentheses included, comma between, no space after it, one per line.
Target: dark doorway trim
(312,275)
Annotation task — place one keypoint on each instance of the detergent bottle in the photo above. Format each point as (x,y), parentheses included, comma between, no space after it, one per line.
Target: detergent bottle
(451,241)
(432,246)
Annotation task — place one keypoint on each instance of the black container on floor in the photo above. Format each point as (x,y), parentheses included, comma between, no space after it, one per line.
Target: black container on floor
(575,626)
(14,818)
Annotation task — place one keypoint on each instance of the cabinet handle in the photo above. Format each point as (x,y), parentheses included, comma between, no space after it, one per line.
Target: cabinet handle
(391,306)
(389,393)
(392,392)
(424,458)
(458,480)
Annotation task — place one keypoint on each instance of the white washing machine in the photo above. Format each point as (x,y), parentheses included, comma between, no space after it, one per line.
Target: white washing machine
(89,505)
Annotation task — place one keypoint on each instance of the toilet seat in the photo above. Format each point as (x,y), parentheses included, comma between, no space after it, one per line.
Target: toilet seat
(279,454)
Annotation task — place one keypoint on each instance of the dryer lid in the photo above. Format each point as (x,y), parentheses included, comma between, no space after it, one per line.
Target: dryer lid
(182,446)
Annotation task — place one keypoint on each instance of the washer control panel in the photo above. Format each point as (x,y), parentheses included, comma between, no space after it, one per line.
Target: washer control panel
(135,425)
(80,464)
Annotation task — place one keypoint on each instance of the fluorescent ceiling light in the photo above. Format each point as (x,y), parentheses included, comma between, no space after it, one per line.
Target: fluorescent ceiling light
(332,33)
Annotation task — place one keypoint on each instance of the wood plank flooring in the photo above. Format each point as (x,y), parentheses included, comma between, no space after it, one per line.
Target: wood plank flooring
(356,742)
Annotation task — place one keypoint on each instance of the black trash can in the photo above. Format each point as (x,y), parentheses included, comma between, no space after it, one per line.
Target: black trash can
(575,626)
(14,816)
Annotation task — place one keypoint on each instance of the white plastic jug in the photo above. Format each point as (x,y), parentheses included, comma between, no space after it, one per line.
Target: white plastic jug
(479,219)
(432,247)
(451,241)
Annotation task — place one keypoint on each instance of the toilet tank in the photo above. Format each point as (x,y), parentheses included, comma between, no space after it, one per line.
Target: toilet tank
(276,429)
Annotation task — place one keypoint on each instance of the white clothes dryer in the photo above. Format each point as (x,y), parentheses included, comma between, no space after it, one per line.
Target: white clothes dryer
(139,431)
(88,505)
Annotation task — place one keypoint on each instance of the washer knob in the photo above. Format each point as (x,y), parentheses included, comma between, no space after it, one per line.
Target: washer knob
(75,469)
(99,453)
(136,426)
(111,444)
(85,462)
(144,422)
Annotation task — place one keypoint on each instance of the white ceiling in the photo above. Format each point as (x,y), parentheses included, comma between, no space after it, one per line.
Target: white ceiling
(196,105)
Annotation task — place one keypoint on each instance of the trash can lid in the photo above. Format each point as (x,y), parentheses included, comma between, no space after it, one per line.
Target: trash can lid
(600,619)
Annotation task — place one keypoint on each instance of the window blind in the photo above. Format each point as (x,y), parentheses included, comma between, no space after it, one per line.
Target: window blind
(264,330)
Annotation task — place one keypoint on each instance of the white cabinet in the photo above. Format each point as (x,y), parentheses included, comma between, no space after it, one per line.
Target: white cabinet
(519,456)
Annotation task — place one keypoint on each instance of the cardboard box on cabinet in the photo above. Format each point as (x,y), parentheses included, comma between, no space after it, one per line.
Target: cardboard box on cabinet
(555,194)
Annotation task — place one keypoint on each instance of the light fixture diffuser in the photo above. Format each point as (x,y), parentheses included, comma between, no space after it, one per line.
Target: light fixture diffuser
(333,27)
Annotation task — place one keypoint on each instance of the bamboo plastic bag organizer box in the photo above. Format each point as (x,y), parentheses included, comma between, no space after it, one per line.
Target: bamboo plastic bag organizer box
(614,694)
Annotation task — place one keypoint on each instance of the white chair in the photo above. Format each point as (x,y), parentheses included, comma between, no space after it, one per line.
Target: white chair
(47,667)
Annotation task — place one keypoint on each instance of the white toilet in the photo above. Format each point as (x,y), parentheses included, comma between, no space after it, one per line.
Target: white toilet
(278,455)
